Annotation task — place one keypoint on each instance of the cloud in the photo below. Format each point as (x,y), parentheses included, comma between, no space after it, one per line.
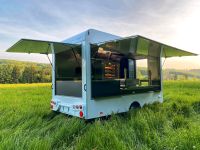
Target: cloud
(167,21)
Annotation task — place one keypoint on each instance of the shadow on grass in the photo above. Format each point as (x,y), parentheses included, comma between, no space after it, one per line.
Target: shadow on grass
(50,115)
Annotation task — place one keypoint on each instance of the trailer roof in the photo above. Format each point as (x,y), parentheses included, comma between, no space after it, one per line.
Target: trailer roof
(93,36)
(139,45)
(38,46)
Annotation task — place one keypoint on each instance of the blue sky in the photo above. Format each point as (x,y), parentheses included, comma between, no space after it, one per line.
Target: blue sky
(173,22)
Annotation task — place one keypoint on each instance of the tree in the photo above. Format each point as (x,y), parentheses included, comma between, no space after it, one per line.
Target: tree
(15,74)
(46,74)
(29,74)
(5,73)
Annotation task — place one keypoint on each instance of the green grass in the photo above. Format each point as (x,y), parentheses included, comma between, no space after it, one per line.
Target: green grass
(26,122)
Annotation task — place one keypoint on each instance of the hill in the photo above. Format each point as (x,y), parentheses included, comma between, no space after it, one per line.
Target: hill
(12,71)
(21,63)
(173,74)
(168,74)
(181,74)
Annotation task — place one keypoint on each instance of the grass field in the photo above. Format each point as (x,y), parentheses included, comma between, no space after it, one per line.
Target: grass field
(26,122)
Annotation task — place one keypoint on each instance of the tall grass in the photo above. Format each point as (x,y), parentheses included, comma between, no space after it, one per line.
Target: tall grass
(26,122)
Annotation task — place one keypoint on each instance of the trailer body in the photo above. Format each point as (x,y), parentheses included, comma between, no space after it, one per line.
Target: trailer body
(95,74)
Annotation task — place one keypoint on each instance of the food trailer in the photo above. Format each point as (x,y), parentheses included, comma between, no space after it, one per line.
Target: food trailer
(95,74)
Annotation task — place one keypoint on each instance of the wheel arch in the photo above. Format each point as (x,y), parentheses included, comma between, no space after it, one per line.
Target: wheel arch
(135,104)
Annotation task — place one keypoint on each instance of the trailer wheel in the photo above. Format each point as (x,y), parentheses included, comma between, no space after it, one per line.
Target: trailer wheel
(134,105)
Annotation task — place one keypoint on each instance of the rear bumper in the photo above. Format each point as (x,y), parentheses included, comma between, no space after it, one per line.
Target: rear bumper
(68,105)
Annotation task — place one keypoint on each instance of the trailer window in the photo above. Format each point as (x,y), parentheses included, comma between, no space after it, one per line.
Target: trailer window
(68,73)
(142,72)
(116,73)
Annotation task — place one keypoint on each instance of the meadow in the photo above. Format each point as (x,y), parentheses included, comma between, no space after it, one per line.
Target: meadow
(26,122)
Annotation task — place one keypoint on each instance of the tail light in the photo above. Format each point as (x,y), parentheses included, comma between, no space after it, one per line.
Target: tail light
(81,114)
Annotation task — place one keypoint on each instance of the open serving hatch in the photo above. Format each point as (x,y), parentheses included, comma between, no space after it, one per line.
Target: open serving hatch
(41,47)
(139,46)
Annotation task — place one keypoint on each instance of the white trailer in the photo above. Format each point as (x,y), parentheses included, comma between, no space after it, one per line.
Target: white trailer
(95,73)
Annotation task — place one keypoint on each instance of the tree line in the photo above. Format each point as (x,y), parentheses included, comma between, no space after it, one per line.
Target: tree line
(24,73)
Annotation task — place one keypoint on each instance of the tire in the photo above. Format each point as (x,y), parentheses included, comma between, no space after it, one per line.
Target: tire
(135,105)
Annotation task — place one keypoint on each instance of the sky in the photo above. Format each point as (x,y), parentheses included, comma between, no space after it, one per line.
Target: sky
(176,23)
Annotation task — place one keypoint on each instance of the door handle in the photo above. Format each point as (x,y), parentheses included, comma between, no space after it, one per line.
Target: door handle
(85,88)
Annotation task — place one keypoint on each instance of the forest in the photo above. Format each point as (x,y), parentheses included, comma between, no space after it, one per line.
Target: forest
(24,72)
(12,71)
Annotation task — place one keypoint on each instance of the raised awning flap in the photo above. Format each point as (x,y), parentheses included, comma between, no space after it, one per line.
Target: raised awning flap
(37,46)
(169,51)
(140,46)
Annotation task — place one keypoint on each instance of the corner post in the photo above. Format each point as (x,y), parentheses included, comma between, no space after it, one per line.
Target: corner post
(53,69)
(161,71)
(86,75)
